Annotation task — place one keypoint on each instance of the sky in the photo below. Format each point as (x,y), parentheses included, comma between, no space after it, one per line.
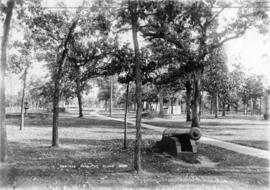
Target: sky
(252,51)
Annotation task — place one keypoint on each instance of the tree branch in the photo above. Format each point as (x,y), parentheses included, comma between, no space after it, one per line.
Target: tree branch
(239,34)
(213,18)
(122,30)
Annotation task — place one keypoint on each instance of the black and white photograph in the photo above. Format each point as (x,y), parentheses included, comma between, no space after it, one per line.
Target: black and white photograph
(134,94)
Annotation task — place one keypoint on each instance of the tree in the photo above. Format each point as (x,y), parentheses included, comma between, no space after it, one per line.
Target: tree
(91,47)
(20,62)
(37,94)
(236,80)
(266,103)
(252,89)
(84,61)
(131,15)
(104,85)
(215,79)
(7,9)
(57,31)
(122,64)
(192,29)
(53,31)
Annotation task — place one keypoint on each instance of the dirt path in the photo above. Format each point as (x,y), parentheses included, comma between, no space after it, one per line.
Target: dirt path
(207,140)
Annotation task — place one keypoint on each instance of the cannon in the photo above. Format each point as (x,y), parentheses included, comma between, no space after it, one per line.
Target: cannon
(178,141)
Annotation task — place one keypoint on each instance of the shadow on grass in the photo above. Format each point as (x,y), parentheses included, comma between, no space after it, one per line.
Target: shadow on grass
(86,158)
(69,121)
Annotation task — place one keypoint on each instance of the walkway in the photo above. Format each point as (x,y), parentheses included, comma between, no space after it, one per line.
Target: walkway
(222,144)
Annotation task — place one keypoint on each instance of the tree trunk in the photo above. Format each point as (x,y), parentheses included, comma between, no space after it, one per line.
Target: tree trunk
(138,80)
(188,100)
(171,99)
(57,84)
(79,90)
(216,105)
(196,98)
(266,104)
(228,107)
(253,106)
(223,109)
(160,102)
(4,43)
(260,109)
(79,97)
(111,91)
(125,119)
(106,105)
(245,108)
(211,106)
(23,98)
(56,98)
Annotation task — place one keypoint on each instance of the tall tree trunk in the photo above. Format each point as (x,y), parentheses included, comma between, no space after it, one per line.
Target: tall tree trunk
(111,91)
(23,99)
(125,119)
(266,104)
(223,109)
(229,107)
(106,105)
(260,109)
(79,90)
(211,106)
(216,105)
(188,100)
(138,80)
(254,106)
(56,98)
(79,97)
(196,98)
(251,107)
(160,102)
(4,43)
(57,84)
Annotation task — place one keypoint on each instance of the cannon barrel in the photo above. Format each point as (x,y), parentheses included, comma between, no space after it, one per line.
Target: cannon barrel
(194,133)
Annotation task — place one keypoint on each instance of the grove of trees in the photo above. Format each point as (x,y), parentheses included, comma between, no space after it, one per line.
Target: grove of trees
(177,48)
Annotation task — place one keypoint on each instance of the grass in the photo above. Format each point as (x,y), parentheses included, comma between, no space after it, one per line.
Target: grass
(263,144)
(254,133)
(248,130)
(91,157)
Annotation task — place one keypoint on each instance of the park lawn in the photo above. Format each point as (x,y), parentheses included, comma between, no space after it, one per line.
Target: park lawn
(91,157)
(261,144)
(248,132)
